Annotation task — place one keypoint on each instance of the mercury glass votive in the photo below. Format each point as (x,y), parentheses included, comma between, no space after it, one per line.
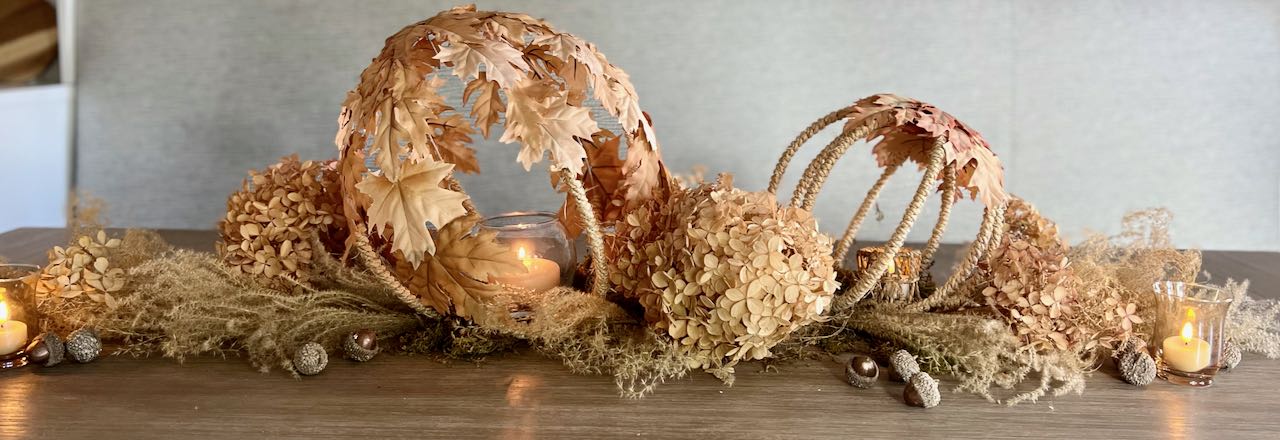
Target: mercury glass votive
(1189,332)
(899,282)
(19,320)
(542,245)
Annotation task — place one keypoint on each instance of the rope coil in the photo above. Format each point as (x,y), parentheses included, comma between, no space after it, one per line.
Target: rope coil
(937,168)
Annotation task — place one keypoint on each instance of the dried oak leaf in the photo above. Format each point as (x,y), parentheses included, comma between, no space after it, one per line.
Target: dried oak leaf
(488,107)
(453,277)
(602,178)
(913,127)
(643,171)
(539,116)
(450,137)
(503,63)
(410,201)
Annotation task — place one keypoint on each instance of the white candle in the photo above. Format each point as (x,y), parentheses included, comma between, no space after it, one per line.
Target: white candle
(13,334)
(540,273)
(1186,353)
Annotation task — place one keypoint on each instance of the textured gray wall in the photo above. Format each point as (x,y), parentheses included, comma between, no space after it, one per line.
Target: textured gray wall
(1096,107)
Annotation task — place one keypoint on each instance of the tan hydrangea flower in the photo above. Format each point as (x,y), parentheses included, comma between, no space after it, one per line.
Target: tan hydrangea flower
(724,272)
(83,268)
(269,222)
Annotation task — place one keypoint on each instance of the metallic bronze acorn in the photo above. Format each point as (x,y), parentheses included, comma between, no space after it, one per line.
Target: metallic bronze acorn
(46,350)
(862,371)
(37,352)
(361,345)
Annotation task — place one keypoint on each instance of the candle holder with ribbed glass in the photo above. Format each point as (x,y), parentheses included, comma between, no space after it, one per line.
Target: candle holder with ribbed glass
(1189,332)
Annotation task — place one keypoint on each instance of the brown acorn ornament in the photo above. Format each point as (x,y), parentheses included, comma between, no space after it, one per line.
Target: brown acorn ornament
(862,371)
(361,345)
(46,350)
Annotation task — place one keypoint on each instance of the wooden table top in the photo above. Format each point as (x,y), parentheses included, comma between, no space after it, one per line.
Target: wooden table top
(525,396)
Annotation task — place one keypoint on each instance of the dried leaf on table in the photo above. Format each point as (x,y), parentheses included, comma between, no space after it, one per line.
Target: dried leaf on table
(410,201)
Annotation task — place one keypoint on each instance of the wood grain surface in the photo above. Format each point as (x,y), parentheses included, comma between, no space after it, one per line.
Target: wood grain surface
(525,396)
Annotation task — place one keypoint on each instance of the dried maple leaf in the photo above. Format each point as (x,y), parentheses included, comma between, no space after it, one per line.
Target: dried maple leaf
(410,201)
(488,107)
(452,280)
(503,63)
(539,116)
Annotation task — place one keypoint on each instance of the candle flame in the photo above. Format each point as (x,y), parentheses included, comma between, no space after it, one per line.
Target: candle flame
(1186,333)
(524,258)
(4,311)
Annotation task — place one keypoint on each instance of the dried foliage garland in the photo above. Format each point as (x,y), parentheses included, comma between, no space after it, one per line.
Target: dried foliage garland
(722,274)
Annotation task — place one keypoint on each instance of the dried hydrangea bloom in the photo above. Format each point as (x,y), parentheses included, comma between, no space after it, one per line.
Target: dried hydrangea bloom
(724,272)
(270,221)
(83,268)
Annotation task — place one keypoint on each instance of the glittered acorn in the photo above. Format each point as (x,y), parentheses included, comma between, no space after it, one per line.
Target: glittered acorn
(922,391)
(46,350)
(361,345)
(1137,367)
(310,359)
(1231,355)
(904,365)
(862,371)
(83,345)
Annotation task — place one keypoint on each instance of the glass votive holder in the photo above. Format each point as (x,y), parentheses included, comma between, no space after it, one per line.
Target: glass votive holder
(1189,332)
(542,245)
(19,319)
(900,280)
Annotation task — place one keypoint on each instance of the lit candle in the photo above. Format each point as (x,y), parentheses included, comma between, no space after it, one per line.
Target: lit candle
(13,334)
(540,273)
(1185,352)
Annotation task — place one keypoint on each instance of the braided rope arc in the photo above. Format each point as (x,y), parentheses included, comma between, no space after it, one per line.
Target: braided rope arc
(944,215)
(989,234)
(817,126)
(867,279)
(595,237)
(815,175)
(842,249)
(373,262)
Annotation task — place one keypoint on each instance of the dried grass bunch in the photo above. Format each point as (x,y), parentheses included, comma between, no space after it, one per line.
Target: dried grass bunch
(1117,274)
(189,303)
(1253,324)
(266,231)
(725,273)
(88,276)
